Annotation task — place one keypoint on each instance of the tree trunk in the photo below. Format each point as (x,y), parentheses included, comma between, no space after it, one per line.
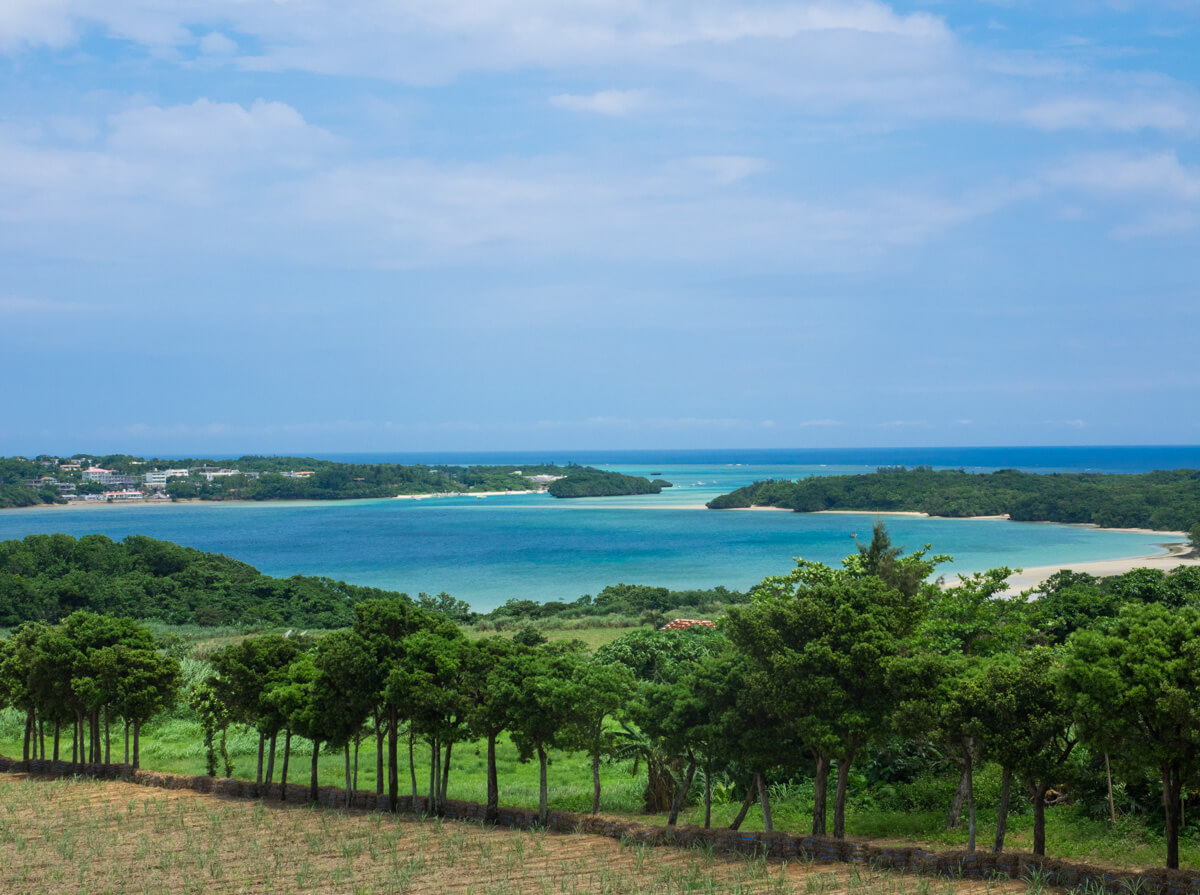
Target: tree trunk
(707,796)
(839,798)
(1112,805)
(820,794)
(262,748)
(271,759)
(1172,785)
(349,787)
(107,742)
(445,776)
(434,755)
(970,801)
(28,736)
(126,741)
(1039,819)
(1002,816)
(287,754)
(312,784)
(596,782)
(354,779)
(766,803)
(74,742)
(412,766)
(749,800)
(137,744)
(393,761)
(57,733)
(42,739)
(379,760)
(543,789)
(960,798)
(681,794)
(492,813)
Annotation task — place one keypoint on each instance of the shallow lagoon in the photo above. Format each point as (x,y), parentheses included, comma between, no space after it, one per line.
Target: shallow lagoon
(535,546)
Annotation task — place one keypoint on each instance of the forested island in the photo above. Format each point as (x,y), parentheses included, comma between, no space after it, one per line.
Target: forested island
(121,477)
(1163,501)
(585,481)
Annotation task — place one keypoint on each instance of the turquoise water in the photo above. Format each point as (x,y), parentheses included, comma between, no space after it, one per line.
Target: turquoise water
(486,550)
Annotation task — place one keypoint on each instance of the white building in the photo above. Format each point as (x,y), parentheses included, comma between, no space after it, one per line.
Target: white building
(159,477)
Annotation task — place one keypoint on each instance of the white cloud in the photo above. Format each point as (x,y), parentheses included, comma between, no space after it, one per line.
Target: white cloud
(37,23)
(604,102)
(211,128)
(725,169)
(1122,174)
(1129,113)
(217,44)
(822,56)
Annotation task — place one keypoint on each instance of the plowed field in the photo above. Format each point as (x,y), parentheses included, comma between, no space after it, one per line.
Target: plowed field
(88,837)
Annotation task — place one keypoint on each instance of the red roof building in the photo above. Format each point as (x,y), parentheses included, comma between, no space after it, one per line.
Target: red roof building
(682,624)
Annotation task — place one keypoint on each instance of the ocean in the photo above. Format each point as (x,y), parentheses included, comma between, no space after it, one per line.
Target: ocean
(533,546)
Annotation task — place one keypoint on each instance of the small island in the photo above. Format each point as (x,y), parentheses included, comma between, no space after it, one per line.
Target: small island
(1162,501)
(585,481)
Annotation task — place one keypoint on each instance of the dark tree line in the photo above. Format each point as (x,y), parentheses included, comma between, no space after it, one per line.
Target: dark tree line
(1164,500)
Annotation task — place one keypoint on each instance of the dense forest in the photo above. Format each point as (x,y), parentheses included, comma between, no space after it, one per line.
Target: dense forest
(46,577)
(584,481)
(865,675)
(1164,501)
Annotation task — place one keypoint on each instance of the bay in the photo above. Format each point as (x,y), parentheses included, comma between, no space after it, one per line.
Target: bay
(488,550)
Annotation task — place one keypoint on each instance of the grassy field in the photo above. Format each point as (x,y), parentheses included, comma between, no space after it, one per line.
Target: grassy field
(88,837)
(175,745)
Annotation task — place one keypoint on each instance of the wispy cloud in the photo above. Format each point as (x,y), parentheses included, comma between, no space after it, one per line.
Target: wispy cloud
(24,305)
(603,102)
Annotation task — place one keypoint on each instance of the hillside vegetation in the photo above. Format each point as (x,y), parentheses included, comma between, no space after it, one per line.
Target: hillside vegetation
(46,577)
(1164,501)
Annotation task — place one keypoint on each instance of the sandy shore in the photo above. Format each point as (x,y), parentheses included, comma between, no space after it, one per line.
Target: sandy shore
(463,494)
(1176,555)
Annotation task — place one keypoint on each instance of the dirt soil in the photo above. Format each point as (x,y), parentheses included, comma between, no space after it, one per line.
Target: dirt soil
(108,837)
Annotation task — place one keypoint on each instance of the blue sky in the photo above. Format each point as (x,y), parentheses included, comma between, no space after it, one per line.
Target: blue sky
(301,225)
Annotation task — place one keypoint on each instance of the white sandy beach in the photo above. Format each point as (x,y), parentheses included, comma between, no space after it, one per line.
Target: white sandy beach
(1177,556)
(464,494)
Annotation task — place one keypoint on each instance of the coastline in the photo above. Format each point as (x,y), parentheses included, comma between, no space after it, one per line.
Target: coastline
(1173,548)
(1176,555)
(196,501)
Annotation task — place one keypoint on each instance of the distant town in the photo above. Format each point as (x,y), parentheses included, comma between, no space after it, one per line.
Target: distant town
(78,479)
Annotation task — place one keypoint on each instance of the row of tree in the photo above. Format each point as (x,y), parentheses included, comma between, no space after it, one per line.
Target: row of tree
(822,666)
(82,676)
(1163,500)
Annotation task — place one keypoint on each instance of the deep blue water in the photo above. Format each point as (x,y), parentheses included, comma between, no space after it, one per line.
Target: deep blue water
(1143,458)
(488,550)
